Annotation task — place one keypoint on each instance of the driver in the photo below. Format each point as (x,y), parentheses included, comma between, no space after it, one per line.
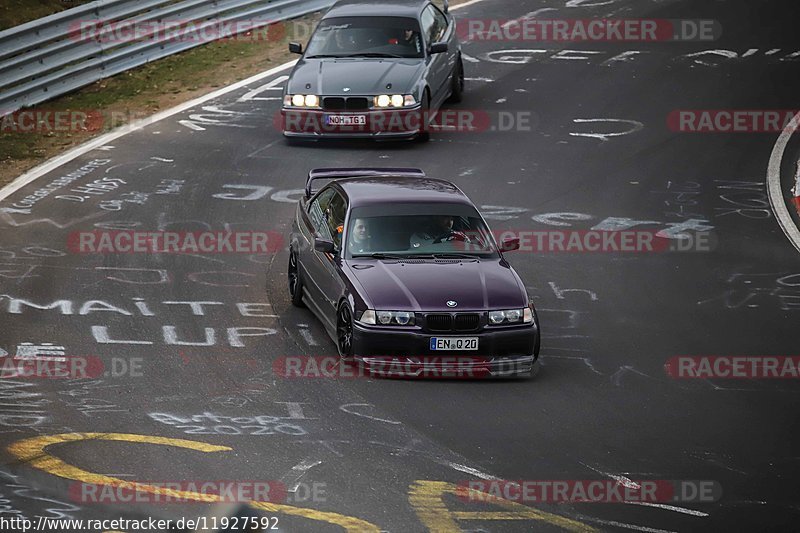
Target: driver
(407,39)
(439,229)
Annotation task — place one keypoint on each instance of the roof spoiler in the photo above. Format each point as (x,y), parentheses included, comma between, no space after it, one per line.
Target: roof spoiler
(335,173)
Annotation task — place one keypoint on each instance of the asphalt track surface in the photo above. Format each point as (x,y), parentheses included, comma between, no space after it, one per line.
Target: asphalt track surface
(603,405)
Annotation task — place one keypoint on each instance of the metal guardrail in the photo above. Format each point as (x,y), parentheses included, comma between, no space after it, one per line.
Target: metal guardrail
(50,56)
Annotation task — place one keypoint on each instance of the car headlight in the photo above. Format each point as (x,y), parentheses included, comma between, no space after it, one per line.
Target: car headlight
(392,318)
(394,100)
(404,318)
(511,316)
(383,100)
(301,100)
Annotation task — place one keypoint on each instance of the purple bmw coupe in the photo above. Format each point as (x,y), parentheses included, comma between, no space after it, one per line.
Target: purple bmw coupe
(401,267)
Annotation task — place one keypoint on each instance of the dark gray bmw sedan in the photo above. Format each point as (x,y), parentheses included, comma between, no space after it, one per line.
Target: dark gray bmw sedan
(402,269)
(376,70)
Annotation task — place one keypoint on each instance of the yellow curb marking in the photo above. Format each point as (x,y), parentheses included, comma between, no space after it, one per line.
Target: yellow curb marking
(32,451)
(427,499)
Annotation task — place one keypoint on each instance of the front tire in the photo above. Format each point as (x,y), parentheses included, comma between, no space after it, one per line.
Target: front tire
(295,280)
(457,89)
(344,332)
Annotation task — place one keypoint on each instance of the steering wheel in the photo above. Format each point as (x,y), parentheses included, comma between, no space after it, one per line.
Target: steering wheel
(452,235)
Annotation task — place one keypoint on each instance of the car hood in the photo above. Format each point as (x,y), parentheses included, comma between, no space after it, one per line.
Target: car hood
(428,286)
(364,76)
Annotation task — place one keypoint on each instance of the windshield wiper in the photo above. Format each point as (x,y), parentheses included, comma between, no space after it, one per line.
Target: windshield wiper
(456,256)
(374,54)
(317,56)
(380,255)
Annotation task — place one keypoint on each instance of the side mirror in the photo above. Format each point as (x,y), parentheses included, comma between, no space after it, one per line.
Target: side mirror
(509,245)
(324,246)
(446,7)
(296,48)
(439,48)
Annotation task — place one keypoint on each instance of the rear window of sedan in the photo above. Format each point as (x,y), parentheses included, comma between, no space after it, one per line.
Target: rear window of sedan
(366,37)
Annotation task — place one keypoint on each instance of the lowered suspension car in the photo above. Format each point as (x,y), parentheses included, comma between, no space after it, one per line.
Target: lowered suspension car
(398,266)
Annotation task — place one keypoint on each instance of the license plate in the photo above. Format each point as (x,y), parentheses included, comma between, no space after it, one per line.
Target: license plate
(346,120)
(454,343)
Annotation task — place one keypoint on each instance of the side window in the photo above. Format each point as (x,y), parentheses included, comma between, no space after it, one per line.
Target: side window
(440,24)
(428,23)
(327,213)
(318,213)
(434,24)
(336,211)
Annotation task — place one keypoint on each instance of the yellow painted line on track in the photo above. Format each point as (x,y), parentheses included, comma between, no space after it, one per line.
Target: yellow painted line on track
(32,452)
(427,499)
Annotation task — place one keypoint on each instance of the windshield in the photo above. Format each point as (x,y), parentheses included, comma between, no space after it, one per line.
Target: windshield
(418,229)
(366,37)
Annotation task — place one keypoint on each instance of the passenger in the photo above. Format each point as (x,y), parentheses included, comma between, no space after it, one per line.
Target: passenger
(361,240)
(345,40)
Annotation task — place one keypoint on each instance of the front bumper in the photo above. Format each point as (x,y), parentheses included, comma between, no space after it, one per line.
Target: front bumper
(451,367)
(406,353)
(380,124)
